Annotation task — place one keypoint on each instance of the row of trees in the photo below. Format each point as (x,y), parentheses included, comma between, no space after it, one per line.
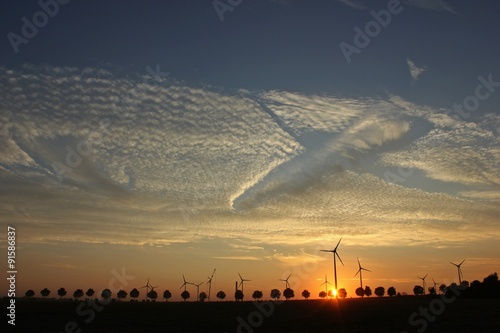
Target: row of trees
(490,287)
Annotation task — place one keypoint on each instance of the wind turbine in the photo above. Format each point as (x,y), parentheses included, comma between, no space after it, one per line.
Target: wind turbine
(360,273)
(435,284)
(287,285)
(423,281)
(210,284)
(197,290)
(459,271)
(335,254)
(147,288)
(185,283)
(241,283)
(326,283)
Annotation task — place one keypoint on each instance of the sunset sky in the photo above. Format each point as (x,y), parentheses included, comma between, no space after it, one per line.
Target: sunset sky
(169,137)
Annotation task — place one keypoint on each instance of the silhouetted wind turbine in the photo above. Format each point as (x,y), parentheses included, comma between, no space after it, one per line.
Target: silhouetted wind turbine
(241,283)
(197,290)
(423,281)
(287,285)
(147,288)
(435,284)
(459,271)
(185,283)
(210,284)
(360,273)
(326,283)
(335,254)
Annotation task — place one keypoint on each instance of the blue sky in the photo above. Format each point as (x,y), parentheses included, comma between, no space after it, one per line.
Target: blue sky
(257,141)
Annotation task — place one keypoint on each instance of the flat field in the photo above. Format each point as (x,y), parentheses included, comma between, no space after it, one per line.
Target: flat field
(343,315)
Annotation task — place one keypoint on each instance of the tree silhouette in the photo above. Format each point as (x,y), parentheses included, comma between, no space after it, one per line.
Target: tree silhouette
(89,293)
(238,295)
(275,293)
(432,290)
(78,293)
(153,295)
(30,293)
(418,290)
(442,288)
(330,293)
(106,294)
(166,295)
(45,292)
(121,294)
(465,283)
(391,291)
(360,292)
(203,296)
(322,294)
(134,293)
(257,294)
(288,293)
(368,291)
(342,293)
(185,295)
(61,292)
(306,294)
(380,291)
(221,295)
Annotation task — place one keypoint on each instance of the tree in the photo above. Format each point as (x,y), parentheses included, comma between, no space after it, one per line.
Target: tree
(185,295)
(166,295)
(221,295)
(238,295)
(257,294)
(418,290)
(61,292)
(153,295)
(360,292)
(442,288)
(368,291)
(89,293)
(275,293)
(288,293)
(121,294)
(465,283)
(306,294)
(432,290)
(342,293)
(45,292)
(78,293)
(380,291)
(391,291)
(330,293)
(322,294)
(106,294)
(203,296)
(30,293)
(134,293)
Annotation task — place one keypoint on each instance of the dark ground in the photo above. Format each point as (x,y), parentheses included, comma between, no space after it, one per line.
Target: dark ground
(348,315)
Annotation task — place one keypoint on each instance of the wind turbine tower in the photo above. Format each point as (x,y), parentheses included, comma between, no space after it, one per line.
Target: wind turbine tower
(335,256)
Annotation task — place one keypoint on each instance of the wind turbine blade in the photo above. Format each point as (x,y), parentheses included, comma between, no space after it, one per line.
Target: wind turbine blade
(425,276)
(338,244)
(339,258)
(326,250)
(359,264)
(359,270)
(240,276)
(453,264)
(366,269)
(288,276)
(461,262)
